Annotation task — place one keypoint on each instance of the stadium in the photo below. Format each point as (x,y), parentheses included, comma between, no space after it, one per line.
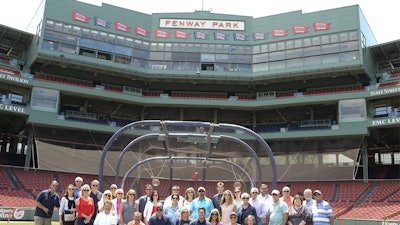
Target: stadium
(307,100)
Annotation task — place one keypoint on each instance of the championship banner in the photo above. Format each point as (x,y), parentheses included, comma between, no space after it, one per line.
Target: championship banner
(240,37)
(201,35)
(220,36)
(100,22)
(181,34)
(141,31)
(321,26)
(260,36)
(161,34)
(300,29)
(122,27)
(80,17)
(279,33)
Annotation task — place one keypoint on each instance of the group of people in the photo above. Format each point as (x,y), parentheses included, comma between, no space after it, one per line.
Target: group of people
(84,204)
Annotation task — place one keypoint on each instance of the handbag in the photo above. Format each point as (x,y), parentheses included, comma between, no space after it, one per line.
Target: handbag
(69,217)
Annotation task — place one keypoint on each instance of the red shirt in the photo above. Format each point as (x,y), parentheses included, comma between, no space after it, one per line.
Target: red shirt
(85,207)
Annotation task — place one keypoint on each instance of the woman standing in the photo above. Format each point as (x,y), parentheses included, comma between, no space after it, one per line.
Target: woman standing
(298,213)
(214,218)
(85,206)
(227,205)
(190,194)
(172,211)
(118,200)
(150,207)
(107,195)
(128,207)
(67,207)
(246,209)
(184,217)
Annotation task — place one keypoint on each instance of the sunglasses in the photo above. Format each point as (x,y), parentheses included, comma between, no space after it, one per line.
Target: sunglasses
(132,194)
(86,190)
(95,185)
(159,209)
(246,198)
(316,194)
(274,194)
(233,217)
(214,214)
(108,195)
(286,191)
(175,198)
(71,189)
(201,191)
(119,193)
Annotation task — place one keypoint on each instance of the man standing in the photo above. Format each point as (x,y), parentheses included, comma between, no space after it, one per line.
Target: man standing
(143,199)
(286,196)
(159,218)
(266,198)
(201,202)
(96,195)
(106,217)
(259,205)
(78,186)
(321,211)
(45,203)
(216,199)
(113,189)
(201,219)
(277,213)
(175,191)
(309,202)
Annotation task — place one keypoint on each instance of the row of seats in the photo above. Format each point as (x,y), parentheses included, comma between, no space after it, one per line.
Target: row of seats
(334,90)
(393,83)
(9,71)
(62,80)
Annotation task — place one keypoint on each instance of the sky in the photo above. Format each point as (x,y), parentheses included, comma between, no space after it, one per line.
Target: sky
(382,15)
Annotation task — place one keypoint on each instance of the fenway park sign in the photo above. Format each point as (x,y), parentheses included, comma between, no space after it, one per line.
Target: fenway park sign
(202,24)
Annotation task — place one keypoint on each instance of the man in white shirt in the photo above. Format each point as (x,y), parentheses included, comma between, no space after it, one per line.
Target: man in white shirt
(106,217)
(175,191)
(259,205)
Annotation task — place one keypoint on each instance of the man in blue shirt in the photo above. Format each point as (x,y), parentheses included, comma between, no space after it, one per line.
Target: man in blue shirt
(45,203)
(201,202)
(201,212)
(159,218)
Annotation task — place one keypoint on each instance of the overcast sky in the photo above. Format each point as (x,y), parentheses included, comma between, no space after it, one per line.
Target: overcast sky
(382,16)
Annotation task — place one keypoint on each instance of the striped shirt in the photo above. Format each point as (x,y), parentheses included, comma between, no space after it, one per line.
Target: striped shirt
(322,213)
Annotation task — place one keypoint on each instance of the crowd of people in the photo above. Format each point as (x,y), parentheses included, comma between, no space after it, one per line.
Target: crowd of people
(84,204)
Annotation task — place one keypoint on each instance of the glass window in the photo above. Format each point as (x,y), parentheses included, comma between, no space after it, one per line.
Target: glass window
(274,56)
(178,56)
(311,61)
(264,48)
(343,36)
(193,57)
(53,36)
(353,35)
(197,48)
(50,45)
(289,44)
(103,37)
(168,47)
(58,26)
(307,42)
(349,56)
(76,30)
(298,43)
(294,53)
(325,39)
(120,41)
(294,63)
(167,56)
(68,28)
(50,25)
(129,42)
(331,58)
(139,63)
(111,38)
(316,41)
(260,67)
(245,58)
(278,65)
(72,49)
(221,57)
(260,58)
(244,67)
(396,158)
(122,59)
(85,33)
(123,50)
(88,43)
(312,51)
(349,46)
(139,53)
(156,56)
(272,47)
(328,49)
(160,47)
(256,49)
(175,47)
(281,46)
(386,158)
(153,46)
(94,34)
(69,39)
(334,38)
(182,47)
(107,47)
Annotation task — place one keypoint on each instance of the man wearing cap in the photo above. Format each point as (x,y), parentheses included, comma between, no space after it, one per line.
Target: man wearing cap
(321,211)
(159,218)
(201,202)
(202,218)
(277,212)
(216,199)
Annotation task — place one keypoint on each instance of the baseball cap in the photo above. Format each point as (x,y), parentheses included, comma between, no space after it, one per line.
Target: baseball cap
(275,192)
(317,191)
(201,189)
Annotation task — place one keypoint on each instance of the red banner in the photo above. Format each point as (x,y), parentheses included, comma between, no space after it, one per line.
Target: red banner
(122,27)
(300,29)
(279,33)
(141,31)
(321,26)
(80,17)
(181,34)
(161,34)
